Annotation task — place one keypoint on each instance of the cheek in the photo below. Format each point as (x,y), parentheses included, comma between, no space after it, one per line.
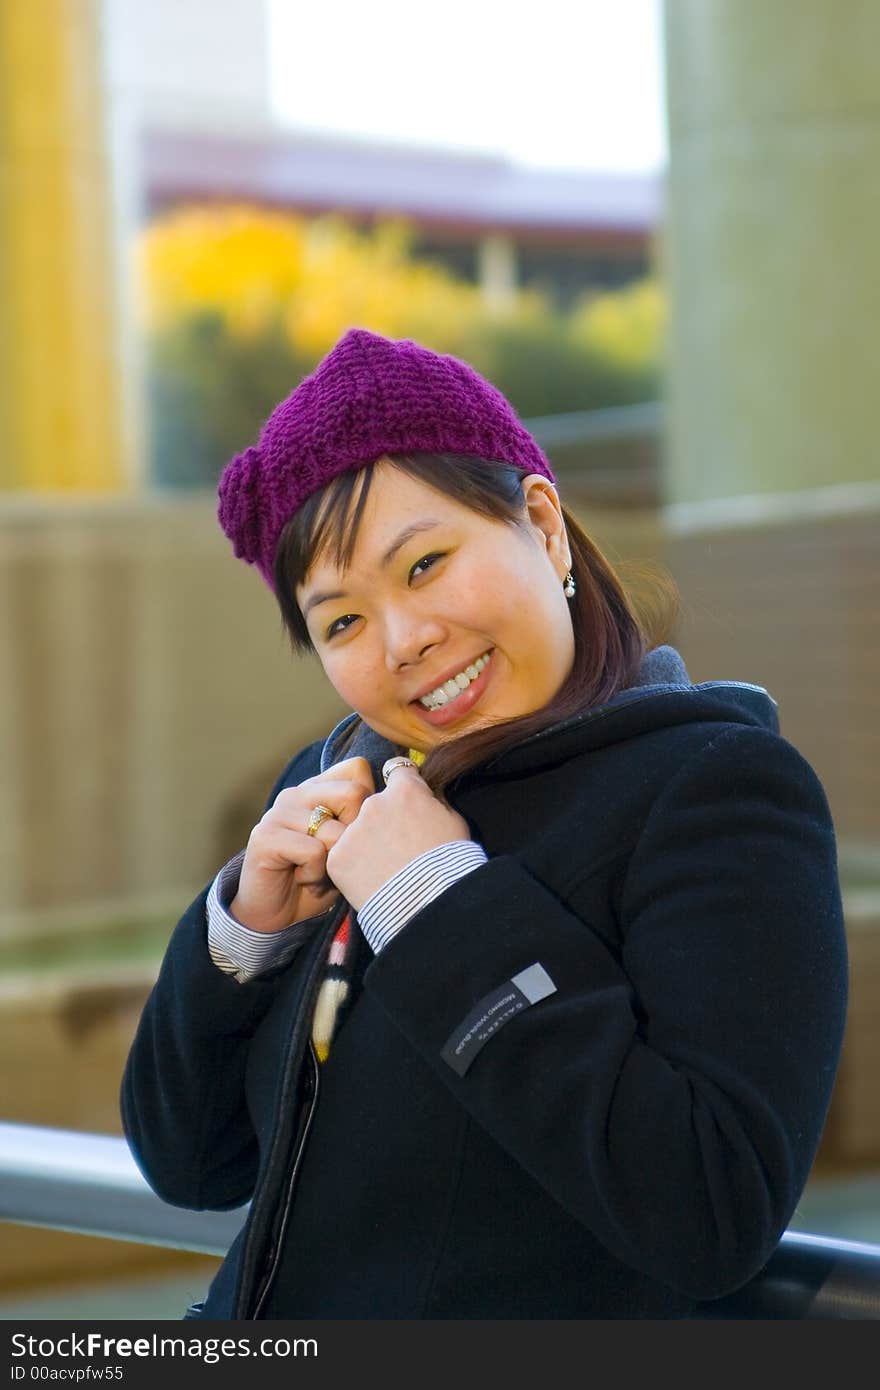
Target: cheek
(354,680)
(521,592)
(546,635)
(493,597)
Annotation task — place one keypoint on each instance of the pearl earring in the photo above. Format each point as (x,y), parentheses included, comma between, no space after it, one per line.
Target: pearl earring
(568,585)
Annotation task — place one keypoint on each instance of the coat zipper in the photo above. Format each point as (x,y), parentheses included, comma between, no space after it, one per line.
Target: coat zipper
(310,994)
(269,1276)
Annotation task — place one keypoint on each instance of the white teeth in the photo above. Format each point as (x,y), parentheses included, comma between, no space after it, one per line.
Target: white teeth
(451,689)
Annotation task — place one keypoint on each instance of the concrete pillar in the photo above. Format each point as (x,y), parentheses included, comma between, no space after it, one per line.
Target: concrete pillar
(770,245)
(59,386)
(498,271)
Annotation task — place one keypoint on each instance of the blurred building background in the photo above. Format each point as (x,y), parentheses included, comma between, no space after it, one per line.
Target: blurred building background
(691,344)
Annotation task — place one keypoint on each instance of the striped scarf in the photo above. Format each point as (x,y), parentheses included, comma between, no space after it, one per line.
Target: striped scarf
(336,984)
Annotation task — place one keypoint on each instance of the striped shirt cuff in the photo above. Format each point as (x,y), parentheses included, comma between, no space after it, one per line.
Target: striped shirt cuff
(414,886)
(236,949)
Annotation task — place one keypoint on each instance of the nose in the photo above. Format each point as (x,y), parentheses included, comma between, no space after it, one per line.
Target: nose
(409,635)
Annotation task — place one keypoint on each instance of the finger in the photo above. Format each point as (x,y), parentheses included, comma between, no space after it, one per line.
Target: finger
(399,763)
(404,770)
(294,805)
(329,832)
(304,876)
(343,798)
(279,847)
(405,777)
(353,770)
(314,869)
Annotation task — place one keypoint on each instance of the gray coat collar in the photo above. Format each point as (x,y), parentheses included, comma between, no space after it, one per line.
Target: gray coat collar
(662,669)
(662,673)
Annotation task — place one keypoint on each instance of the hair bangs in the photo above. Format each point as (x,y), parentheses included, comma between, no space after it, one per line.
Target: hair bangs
(335,526)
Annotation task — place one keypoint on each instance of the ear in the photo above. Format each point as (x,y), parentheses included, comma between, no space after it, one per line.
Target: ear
(545,515)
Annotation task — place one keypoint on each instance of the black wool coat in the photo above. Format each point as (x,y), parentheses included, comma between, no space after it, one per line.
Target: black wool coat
(588,1080)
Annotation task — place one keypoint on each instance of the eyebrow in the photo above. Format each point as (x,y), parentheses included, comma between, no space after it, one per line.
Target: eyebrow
(414,528)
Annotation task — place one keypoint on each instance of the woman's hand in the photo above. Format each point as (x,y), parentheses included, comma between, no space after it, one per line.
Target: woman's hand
(284,876)
(391,828)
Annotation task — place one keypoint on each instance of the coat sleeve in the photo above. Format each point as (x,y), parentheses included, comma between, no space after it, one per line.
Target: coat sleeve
(182,1097)
(670,1097)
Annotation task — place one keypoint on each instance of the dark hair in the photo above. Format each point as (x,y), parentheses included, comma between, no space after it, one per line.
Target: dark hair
(611,635)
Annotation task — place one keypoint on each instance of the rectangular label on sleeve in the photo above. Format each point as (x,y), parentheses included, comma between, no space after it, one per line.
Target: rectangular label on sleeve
(495,1009)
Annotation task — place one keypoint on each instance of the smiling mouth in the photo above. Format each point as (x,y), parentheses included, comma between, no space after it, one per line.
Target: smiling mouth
(451,690)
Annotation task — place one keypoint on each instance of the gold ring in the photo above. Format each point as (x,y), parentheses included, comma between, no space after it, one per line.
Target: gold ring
(318,816)
(391,763)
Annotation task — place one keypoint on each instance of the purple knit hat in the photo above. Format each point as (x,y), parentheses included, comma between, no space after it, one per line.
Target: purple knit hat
(369,396)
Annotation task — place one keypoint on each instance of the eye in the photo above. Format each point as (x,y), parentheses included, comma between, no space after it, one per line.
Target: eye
(426,560)
(334,626)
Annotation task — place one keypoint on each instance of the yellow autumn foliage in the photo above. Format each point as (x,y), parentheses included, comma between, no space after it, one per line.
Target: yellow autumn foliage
(625,327)
(255,269)
(370,280)
(239,262)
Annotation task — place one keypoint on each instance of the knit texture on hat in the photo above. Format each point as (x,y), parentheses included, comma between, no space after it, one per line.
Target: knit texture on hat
(368,397)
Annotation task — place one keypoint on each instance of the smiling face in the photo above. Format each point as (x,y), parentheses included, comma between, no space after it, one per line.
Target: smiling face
(432,588)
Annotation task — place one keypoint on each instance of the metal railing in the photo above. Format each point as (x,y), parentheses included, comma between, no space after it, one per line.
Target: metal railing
(607,425)
(89,1184)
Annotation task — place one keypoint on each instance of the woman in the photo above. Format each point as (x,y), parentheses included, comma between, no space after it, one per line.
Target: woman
(525,998)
